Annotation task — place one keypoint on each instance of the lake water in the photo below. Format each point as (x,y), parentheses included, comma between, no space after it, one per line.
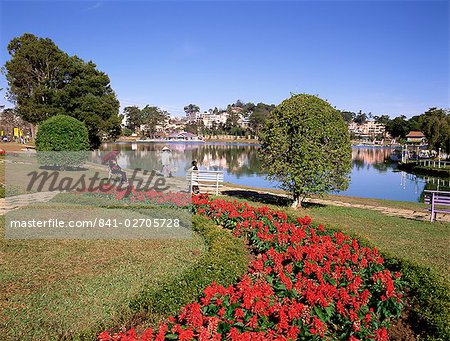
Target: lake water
(373,174)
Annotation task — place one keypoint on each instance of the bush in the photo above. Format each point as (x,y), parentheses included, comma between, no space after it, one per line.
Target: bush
(428,293)
(62,141)
(303,284)
(430,298)
(226,259)
(127,132)
(305,145)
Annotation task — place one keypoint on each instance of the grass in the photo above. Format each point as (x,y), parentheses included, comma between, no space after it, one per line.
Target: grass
(418,249)
(51,289)
(414,206)
(225,260)
(422,242)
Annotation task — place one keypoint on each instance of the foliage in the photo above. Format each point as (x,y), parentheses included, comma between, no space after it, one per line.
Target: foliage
(259,115)
(348,116)
(191,109)
(63,141)
(306,147)
(127,132)
(150,117)
(129,194)
(153,116)
(398,127)
(133,116)
(383,119)
(361,118)
(428,294)
(430,297)
(434,123)
(236,112)
(304,283)
(226,259)
(44,81)
(436,127)
(9,119)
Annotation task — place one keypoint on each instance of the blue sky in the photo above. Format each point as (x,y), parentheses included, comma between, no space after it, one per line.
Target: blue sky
(384,57)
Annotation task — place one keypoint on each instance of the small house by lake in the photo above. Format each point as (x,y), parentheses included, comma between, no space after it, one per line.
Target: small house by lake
(182,136)
(416,137)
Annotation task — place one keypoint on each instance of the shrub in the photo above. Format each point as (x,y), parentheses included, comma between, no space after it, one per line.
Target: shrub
(62,141)
(226,259)
(304,283)
(127,132)
(430,298)
(305,145)
(428,294)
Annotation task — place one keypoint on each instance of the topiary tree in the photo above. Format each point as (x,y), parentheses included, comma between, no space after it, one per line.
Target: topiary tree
(305,145)
(62,141)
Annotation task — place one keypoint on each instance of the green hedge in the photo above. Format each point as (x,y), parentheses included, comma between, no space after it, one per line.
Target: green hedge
(227,258)
(428,293)
(62,141)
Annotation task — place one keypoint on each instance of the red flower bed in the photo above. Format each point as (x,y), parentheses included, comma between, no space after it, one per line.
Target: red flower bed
(129,194)
(304,284)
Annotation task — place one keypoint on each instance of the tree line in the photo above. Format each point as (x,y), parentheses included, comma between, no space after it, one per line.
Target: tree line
(434,124)
(44,81)
(148,118)
(254,114)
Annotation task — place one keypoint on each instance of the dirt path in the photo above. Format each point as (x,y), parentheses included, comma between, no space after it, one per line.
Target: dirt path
(17,201)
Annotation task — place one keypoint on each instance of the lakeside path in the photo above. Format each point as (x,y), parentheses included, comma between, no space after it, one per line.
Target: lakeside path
(27,199)
(412,211)
(419,214)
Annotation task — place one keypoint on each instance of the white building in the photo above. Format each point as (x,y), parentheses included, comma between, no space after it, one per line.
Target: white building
(369,129)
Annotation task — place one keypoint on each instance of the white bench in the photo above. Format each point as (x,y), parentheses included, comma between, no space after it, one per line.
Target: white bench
(439,201)
(206,180)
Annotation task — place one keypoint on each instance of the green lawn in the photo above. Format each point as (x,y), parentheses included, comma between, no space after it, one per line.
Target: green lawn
(414,206)
(422,242)
(419,250)
(52,289)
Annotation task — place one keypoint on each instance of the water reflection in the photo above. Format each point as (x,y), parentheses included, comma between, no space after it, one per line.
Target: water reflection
(373,174)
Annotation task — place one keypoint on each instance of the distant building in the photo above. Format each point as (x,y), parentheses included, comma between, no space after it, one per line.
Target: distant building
(182,135)
(208,118)
(416,137)
(367,129)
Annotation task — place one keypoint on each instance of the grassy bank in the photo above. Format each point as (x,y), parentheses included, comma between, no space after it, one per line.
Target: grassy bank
(414,206)
(52,289)
(225,260)
(418,249)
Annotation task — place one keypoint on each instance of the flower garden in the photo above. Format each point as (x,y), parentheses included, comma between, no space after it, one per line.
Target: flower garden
(303,283)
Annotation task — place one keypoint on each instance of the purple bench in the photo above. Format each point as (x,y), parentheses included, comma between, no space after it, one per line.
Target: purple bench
(439,201)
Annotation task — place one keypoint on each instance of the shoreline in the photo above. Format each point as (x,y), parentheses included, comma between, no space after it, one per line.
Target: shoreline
(424,171)
(354,144)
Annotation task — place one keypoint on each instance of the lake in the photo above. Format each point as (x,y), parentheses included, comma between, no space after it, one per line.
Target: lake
(373,175)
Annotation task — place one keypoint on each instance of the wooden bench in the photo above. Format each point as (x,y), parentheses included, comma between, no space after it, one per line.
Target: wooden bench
(206,180)
(439,201)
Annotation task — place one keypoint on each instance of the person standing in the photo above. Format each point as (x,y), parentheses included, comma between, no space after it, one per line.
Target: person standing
(194,178)
(165,160)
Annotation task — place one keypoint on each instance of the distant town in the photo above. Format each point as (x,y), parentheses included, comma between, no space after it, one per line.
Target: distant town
(243,121)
